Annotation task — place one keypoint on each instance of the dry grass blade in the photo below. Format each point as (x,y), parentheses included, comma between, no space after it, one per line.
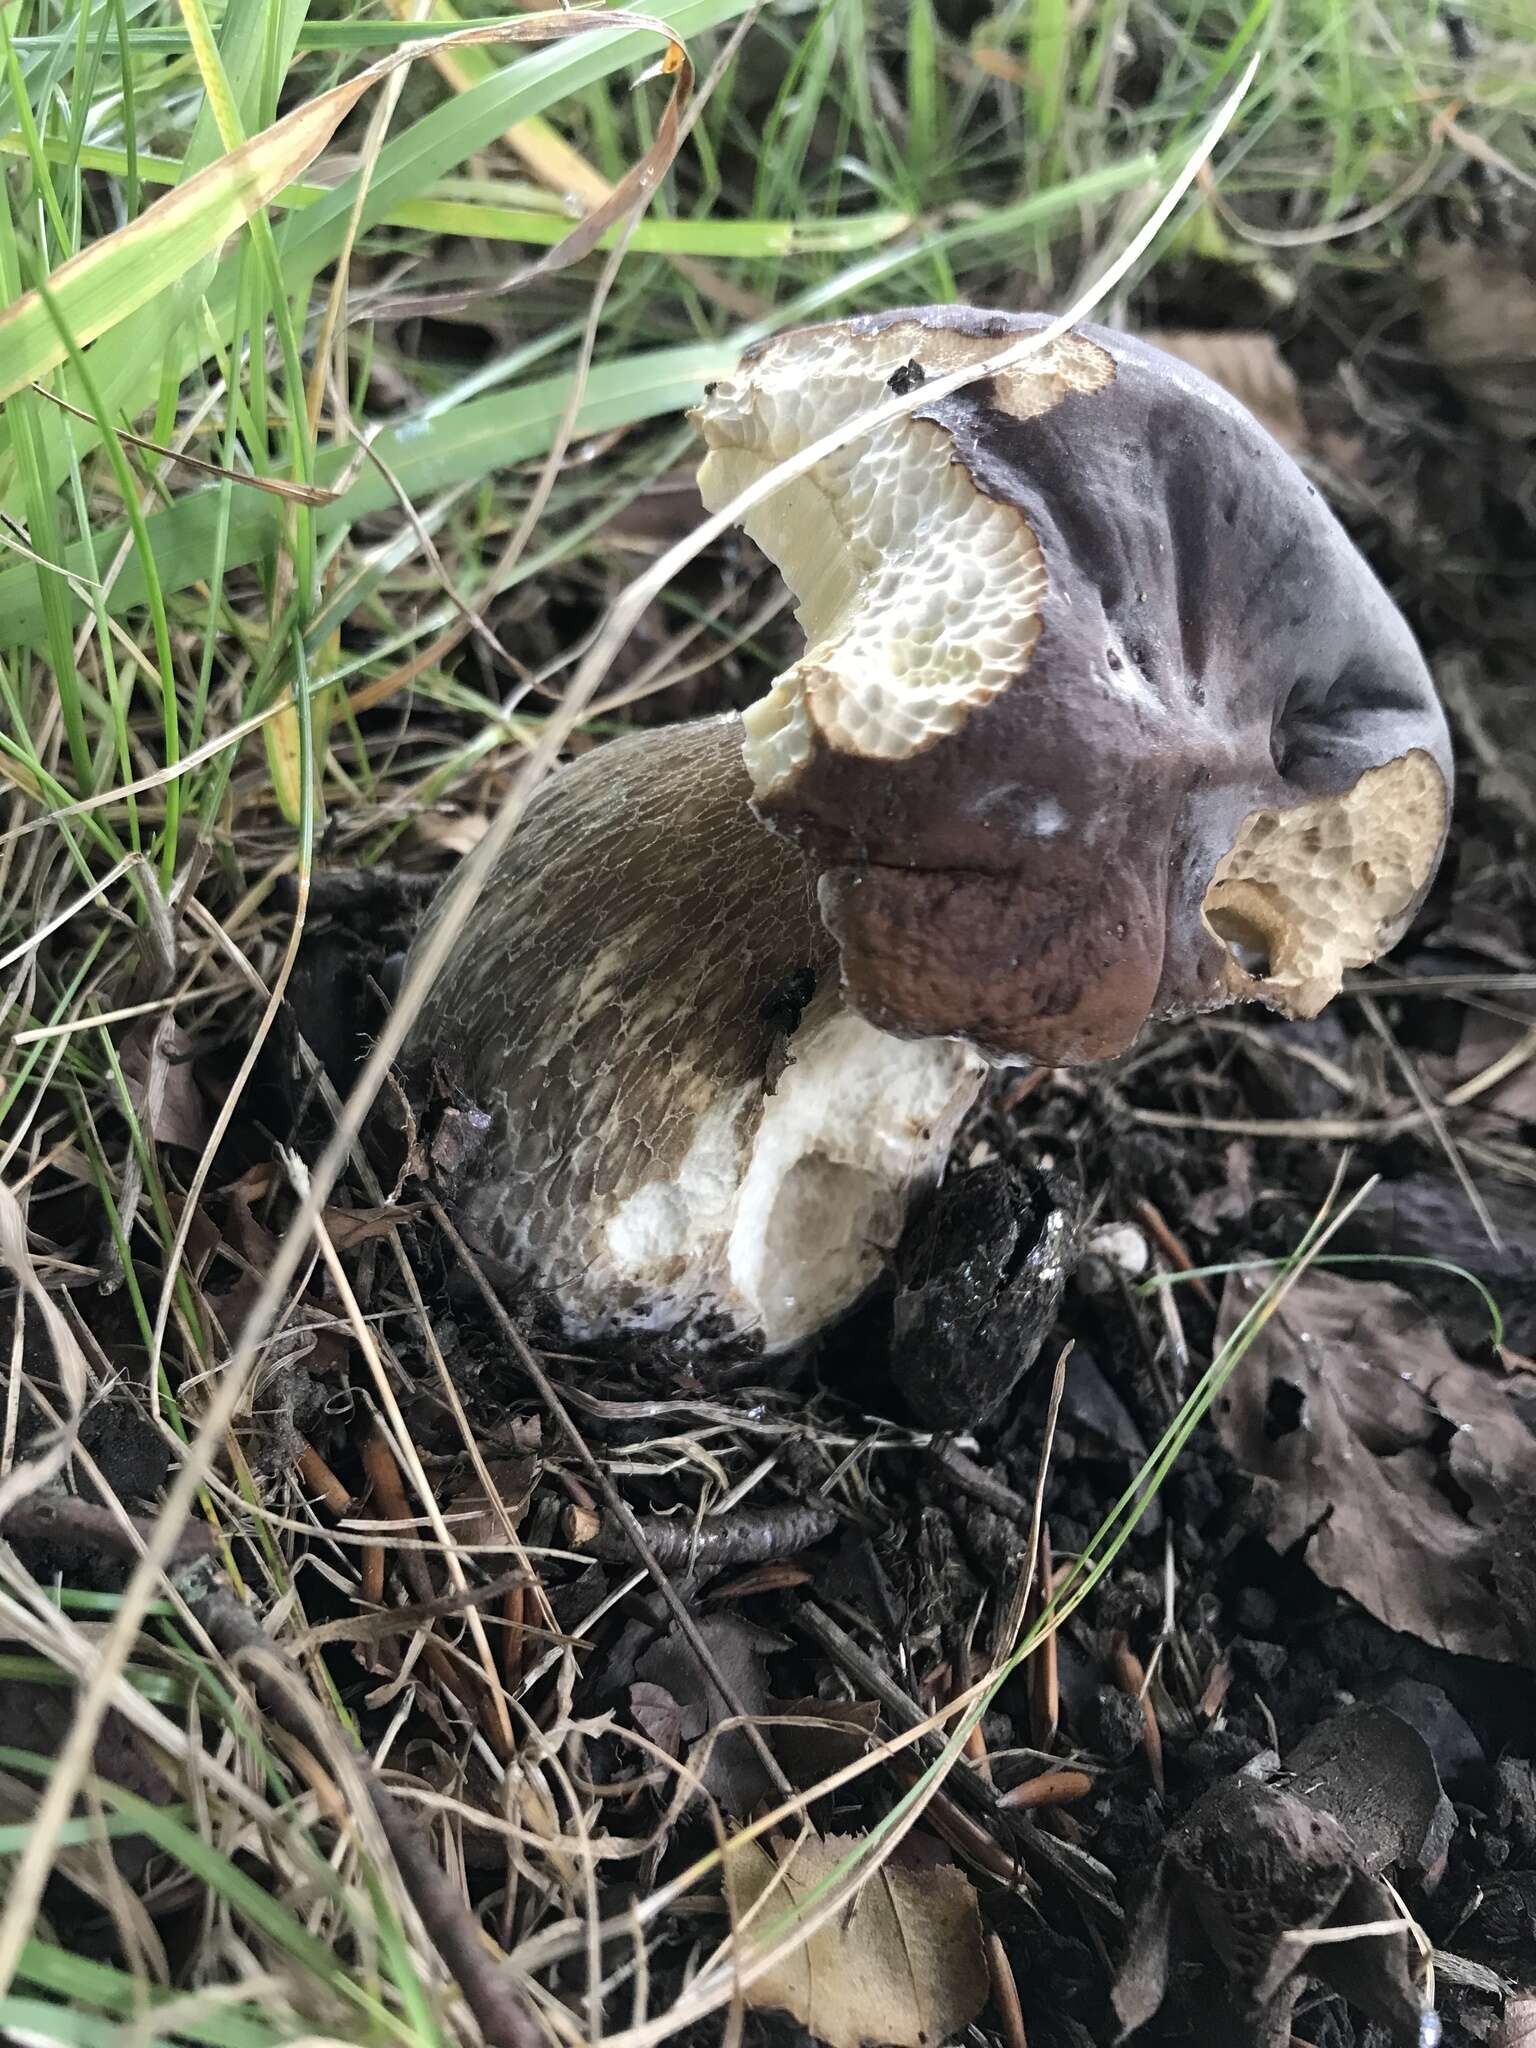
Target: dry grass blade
(279,487)
(630,193)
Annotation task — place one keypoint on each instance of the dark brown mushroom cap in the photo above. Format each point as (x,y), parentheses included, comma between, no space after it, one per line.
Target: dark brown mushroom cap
(1217,742)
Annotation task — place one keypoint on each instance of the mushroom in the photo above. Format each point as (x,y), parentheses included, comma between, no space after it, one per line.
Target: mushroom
(1101,719)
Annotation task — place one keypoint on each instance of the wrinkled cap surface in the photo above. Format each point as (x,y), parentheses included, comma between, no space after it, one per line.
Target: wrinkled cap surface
(1101,716)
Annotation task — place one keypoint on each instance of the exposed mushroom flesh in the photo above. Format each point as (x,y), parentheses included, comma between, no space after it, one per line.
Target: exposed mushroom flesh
(886,543)
(1308,893)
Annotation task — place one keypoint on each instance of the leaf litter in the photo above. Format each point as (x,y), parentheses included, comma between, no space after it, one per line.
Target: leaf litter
(1398,1470)
(902,1965)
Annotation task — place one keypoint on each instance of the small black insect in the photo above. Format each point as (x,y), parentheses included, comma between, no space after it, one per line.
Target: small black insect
(785,1003)
(906,378)
(781,1010)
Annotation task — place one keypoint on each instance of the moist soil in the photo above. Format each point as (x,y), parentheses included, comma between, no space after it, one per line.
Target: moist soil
(1203,1652)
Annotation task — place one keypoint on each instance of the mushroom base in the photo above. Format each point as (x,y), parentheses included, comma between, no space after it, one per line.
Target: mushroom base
(785,1206)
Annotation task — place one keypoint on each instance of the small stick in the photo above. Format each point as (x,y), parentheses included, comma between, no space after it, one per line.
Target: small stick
(1173,1245)
(320,1479)
(1005,1993)
(977,1481)
(79,1528)
(1051,1788)
(746,1535)
(371,1585)
(389,1490)
(514,1613)
(1131,1677)
(963,1834)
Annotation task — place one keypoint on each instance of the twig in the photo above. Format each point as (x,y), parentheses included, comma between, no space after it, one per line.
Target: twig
(613,1500)
(744,1536)
(383,1470)
(514,1613)
(976,1480)
(80,1529)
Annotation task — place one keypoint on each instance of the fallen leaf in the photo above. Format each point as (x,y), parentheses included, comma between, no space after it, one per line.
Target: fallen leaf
(479,1520)
(349,1227)
(1391,1460)
(1497,1053)
(1518,2027)
(1428,1217)
(732,1770)
(157,1063)
(816,1738)
(902,1965)
(1249,366)
(1375,1773)
(1254,1864)
(659,1715)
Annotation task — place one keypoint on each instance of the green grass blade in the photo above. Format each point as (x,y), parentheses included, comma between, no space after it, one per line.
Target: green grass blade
(452,448)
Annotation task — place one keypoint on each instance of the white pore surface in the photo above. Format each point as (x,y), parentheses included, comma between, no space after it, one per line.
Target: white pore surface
(781,1228)
(919,596)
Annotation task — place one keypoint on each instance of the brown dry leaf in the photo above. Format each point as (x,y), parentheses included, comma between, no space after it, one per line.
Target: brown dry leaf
(157,1063)
(658,1715)
(730,1767)
(1479,310)
(1249,1867)
(903,1965)
(1396,1464)
(1518,2027)
(1248,365)
(349,1227)
(813,1739)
